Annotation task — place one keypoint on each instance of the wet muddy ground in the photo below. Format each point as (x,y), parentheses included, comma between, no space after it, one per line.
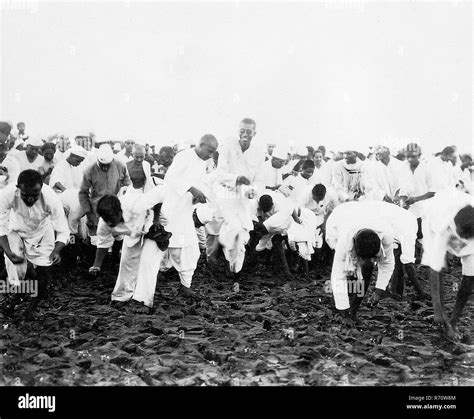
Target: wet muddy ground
(265,332)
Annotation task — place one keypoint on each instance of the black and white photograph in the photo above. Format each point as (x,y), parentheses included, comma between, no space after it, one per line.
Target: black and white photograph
(236,194)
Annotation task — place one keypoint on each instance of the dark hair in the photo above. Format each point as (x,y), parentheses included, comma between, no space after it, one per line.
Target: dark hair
(29,178)
(19,124)
(5,128)
(447,151)
(108,206)
(464,220)
(249,121)
(367,243)
(322,149)
(319,191)
(265,203)
(166,149)
(48,146)
(308,164)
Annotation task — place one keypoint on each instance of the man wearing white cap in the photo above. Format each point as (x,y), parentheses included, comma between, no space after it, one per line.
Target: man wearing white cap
(30,158)
(106,177)
(66,179)
(272,169)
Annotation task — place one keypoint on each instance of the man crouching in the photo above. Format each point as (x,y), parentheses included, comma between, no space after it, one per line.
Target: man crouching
(31,216)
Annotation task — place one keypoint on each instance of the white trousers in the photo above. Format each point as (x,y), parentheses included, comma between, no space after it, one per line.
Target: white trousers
(36,251)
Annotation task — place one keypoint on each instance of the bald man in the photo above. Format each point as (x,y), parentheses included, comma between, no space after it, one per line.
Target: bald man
(185,183)
(139,170)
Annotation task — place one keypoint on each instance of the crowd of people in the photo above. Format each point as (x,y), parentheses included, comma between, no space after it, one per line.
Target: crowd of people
(383,211)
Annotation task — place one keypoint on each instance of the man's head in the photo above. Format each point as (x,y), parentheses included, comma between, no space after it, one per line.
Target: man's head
(33,147)
(147,148)
(77,156)
(129,146)
(165,156)
(48,151)
(110,210)
(3,144)
(247,130)
(105,156)
(138,153)
(279,157)
(265,203)
(207,147)
(21,128)
(318,157)
(5,128)
(449,154)
(322,149)
(307,170)
(382,154)
(366,243)
(30,184)
(319,192)
(270,148)
(350,156)
(412,154)
(464,221)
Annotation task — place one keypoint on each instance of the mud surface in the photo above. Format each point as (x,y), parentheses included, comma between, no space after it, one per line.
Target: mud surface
(266,332)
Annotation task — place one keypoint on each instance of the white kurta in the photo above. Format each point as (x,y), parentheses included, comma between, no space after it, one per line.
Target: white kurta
(70,177)
(23,161)
(385,179)
(322,175)
(233,163)
(13,169)
(341,227)
(414,184)
(271,177)
(440,232)
(32,229)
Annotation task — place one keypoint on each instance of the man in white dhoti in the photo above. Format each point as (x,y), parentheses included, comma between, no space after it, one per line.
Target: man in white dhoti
(449,228)
(275,215)
(131,218)
(416,185)
(321,201)
(139,171)
(272,169)
(33,231)
(66,179)
(9,167)
(185,186)
(359,242)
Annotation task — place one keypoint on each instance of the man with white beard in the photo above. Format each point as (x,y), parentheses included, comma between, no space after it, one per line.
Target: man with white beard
(185,183)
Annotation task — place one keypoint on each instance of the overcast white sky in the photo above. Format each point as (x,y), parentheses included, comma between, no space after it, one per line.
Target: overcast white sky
(339,73)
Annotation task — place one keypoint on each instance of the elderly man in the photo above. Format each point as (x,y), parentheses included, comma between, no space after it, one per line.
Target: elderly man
(449,228)
(30,158)
(241,161)
(139,170)
(385,175)
(359,240)
(185,183)
(106,177)
(66,179)
(33,228)
(444,172)
(9,167)
(349,177)
(272,169)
